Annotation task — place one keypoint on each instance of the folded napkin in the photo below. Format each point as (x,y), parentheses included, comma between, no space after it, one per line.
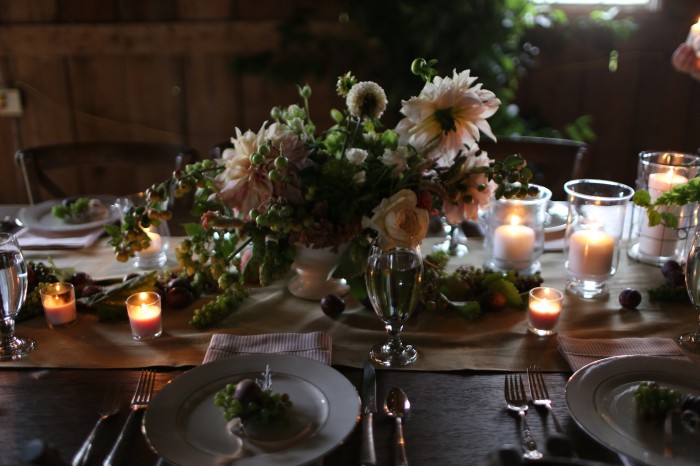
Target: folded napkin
(581,351)
(314,345)
(33,239)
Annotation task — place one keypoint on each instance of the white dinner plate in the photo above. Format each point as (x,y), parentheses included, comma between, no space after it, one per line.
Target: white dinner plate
(600,399)
(39,217)
(555,219)
(185,427)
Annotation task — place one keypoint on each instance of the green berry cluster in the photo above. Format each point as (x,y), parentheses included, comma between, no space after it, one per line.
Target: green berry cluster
(654,401)
(268,407)
(219,308)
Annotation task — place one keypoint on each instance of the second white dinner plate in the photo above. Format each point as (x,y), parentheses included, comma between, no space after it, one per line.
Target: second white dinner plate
(184,426)
(39,217)
(600,398)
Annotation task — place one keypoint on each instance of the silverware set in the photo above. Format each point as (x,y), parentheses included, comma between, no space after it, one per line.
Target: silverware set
(517,401)
(396,406)
(108,408)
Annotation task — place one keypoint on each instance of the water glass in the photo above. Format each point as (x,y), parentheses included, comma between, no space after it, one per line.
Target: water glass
(514,238)
(393,279)
(658,173)
(593,234)
(13,291)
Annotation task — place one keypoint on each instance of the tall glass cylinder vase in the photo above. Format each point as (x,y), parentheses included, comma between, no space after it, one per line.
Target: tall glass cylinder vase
(514,237)
(658,173)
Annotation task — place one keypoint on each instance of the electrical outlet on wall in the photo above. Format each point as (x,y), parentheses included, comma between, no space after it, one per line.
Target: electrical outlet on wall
(10,103)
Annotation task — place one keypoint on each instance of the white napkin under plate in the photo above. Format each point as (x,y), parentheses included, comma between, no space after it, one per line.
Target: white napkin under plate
(313,345)
(579,352)
(33,239)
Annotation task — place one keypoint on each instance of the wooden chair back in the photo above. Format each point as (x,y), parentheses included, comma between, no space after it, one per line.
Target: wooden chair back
(552,161)
(119,168)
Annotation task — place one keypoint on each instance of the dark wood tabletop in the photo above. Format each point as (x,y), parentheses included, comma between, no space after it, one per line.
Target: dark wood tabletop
(457,418)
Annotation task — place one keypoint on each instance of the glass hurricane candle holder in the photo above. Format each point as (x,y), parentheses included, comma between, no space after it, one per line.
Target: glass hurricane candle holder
(144,315)
(658,173)
(593,234)
(514,238)
(155,254)
(58,300)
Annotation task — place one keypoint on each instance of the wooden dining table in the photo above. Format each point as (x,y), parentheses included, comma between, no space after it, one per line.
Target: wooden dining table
(458,414)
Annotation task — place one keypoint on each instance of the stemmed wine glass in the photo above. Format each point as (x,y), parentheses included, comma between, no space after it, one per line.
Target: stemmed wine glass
(691,340)
(393,281)
(13,291)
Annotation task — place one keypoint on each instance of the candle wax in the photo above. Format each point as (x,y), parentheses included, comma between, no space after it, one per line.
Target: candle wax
(514,243)
(659,240)
(153,249)
(591,253)
(59,311)
(145,320)
(544,314)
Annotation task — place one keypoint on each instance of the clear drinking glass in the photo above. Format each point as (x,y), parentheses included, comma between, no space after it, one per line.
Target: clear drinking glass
(691,340)
(393,284)
(13,289)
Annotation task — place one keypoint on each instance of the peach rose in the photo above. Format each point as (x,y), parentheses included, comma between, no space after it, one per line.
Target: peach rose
(399,218)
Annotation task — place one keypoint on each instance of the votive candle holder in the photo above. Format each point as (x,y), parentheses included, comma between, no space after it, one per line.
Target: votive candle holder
(544,308)
(144,315)
(58,301)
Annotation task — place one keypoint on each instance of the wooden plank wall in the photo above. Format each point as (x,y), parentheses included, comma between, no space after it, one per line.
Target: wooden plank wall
(160,71)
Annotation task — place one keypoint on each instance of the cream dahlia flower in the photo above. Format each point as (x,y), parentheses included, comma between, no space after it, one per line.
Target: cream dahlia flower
(447,115)
(366,99)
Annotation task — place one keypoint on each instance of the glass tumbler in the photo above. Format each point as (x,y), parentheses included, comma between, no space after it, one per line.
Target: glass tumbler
(593,234)
(658,173)
(514,238)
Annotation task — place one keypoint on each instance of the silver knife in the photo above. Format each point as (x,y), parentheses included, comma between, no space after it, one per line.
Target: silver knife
(369,407)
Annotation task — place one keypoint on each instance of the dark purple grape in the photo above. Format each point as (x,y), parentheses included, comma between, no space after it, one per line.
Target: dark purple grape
(332,305)
(675,278)
(630,298)
(178,297)
(247,392)
(80,279)
(181,282)
(89,289)
(670,267)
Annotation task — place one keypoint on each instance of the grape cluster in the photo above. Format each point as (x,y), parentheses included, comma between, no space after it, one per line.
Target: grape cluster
(219,308)
(673,289)
(654,401)
(247,400)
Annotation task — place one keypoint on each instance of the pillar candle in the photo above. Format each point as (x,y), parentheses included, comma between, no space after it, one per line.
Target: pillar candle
(515,243)
(659,240)
(155,247)
(591,253)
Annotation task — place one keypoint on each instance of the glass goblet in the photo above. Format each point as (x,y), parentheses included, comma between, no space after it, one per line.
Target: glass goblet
(13,291)
(691,340)
(393,281)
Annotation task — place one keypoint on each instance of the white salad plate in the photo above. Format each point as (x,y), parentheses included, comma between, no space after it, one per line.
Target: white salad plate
(600,398)
(39,217)
(184,426)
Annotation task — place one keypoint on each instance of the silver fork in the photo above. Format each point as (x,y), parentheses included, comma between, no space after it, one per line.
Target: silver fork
(539,393)
(516,400)
(139,402)
(108,408)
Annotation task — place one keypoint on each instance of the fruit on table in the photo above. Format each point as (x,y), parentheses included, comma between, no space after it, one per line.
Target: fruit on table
(630,298)
(332,305)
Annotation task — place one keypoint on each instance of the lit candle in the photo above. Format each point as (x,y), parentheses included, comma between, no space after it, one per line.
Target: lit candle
(514,243)
(544,309)
(694,36)
(659,240)
(144,315)
(58,300)
(591,253)
(154,248)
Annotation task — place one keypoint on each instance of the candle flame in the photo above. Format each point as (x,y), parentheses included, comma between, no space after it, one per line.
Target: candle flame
(514,220)
(670,174)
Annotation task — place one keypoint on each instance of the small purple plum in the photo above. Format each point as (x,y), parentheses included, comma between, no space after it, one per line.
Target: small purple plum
(630,298)
(332,305)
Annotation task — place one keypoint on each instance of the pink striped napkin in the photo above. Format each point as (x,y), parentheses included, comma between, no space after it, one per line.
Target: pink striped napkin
(579,352)
(313,345)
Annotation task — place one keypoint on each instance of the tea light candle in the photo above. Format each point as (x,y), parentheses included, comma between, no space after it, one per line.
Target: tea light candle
(544,309)
(58,300)
(514,242)
(144,315)
(591,253)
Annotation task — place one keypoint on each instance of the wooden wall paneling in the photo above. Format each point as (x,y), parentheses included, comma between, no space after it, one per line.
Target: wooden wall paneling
(19,11)
(259,96)
(140,10)
(206,9)
(81,11)
(212,95)
(46,90)
(11,186)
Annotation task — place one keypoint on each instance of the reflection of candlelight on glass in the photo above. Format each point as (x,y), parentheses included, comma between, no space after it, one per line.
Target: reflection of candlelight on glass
(155,247)
(514,242)
(591,253)
(659,240)
(544,309)
(58,300)
(144,315)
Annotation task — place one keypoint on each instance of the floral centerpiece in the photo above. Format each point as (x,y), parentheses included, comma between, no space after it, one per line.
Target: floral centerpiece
(291,185)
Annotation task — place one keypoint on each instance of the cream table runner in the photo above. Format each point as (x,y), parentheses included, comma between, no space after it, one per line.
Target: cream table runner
(499,341)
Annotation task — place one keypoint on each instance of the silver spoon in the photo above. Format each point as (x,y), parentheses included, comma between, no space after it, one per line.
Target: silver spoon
(397,406)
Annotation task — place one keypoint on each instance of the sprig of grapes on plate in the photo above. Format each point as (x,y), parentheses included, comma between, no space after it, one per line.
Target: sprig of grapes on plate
(654,401)
(78,209)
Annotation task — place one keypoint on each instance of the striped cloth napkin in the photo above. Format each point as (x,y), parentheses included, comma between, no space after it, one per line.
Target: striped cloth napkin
(314,345)
(34,239)
(579,352)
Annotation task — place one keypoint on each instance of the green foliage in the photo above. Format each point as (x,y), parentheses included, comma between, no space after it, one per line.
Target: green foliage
(678,196)
(108,304)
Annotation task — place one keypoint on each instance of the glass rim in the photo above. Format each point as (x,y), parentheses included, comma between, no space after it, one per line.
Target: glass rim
(543,194)
(695,158)
(145,297)
(569,188)
(536,293)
